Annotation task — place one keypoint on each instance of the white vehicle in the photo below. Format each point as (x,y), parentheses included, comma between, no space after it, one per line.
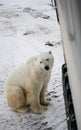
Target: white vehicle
(69,17)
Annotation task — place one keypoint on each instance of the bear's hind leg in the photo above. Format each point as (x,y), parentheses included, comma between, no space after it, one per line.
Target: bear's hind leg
(16,98)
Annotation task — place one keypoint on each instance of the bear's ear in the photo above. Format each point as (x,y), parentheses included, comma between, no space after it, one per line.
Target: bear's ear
(50,52)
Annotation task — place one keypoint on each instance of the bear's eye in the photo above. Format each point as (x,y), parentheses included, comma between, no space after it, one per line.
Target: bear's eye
(47,59)
(40,61)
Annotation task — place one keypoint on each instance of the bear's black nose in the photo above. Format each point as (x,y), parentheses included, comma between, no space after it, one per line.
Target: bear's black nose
(46,67)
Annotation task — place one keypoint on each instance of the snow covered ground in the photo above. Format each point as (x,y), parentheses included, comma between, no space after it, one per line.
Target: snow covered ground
(26,29)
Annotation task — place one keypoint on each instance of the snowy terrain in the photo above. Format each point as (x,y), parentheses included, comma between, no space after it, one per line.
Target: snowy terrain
(27,28)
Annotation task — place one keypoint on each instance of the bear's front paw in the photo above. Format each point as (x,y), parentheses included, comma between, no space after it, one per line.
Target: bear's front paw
(40,109)
(45,103)
(22,110)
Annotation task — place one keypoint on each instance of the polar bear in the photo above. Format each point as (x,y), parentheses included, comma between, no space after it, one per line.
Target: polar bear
(27,84)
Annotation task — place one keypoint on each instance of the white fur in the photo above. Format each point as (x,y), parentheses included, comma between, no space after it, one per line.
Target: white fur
(27,84)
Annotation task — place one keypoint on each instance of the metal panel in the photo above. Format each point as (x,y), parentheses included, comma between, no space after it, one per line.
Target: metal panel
(70,21)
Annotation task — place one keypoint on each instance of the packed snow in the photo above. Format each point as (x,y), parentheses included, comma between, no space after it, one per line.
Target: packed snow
(27,28)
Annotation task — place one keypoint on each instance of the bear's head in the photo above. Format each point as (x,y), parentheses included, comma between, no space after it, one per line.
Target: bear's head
(45,61)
